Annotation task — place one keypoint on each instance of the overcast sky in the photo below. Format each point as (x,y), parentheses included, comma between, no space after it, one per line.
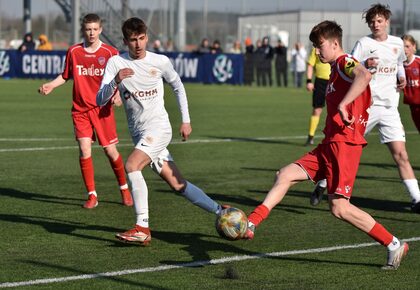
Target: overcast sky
(39,7)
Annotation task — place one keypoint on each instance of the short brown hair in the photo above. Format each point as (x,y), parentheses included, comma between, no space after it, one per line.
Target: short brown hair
(132,26)
(377,9)
(327,30)
(91,18)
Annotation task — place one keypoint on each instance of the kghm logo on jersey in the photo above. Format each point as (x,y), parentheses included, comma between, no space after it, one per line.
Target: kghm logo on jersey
(222,68)
(141,94)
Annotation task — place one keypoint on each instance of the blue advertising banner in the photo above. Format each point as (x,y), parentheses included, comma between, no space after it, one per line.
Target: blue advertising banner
(192,67)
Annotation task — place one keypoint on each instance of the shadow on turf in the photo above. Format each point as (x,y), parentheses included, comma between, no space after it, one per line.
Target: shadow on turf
(198,246)
(57,226)
(45,198)
(115,279)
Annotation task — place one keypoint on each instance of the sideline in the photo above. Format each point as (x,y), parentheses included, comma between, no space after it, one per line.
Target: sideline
(192,264)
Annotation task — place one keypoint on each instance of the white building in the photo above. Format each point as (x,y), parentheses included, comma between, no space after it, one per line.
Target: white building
(293,26)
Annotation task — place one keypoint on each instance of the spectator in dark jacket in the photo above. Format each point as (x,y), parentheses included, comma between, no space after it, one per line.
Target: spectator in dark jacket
(281,63)
(28,43)
(248,62)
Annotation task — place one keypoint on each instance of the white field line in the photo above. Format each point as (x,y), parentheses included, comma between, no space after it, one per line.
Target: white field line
(191,264)
(192,141)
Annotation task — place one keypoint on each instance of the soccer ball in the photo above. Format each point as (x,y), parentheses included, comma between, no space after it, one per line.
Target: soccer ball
(232,223)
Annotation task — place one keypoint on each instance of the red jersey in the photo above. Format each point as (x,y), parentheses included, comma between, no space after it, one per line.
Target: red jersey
(338,85)
(86,69)
(412,89)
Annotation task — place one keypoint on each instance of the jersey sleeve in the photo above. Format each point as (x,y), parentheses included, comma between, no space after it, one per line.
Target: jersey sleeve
(348,65)
(312,58)
(67,72)
(173,79)
(108,84)
(357,51)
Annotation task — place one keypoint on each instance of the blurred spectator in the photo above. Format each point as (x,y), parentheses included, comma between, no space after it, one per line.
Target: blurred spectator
(248,62)
(281,63)
(216,48)
(157,46)
(169,47)
(204,46)
(28,43)
(258,61)
(299,55)
(266,56)
(236,48)
(44,44)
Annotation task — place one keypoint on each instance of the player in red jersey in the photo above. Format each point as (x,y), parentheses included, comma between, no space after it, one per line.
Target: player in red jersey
(412,74)
(85,63)
(337,157)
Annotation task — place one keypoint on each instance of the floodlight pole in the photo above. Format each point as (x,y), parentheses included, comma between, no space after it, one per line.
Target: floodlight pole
(27,15)
(181,24)
(75,21)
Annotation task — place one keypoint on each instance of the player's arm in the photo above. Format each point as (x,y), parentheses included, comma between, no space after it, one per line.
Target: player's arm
(361,78)
(47,88)
(173,79)
(110,81)
(309,74)
(401,78)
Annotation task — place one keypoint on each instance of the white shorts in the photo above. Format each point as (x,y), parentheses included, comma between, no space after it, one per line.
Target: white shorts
(154,143)
(389,123)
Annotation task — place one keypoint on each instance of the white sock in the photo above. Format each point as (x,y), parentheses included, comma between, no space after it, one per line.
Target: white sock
(199,198)
(412,187)
(140,195)
(93,192)
(395,244)
(322,183)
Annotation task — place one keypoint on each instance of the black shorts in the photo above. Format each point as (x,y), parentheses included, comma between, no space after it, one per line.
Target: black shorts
(318,96)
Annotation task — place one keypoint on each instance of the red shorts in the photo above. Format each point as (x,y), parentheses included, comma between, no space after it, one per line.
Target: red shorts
(337,162)
(96,123)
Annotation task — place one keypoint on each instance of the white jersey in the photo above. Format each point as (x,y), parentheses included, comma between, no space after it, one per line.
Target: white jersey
(390,55)
(142,93)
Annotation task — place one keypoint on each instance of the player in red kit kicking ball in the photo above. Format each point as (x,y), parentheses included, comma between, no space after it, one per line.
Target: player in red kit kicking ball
(85,63)
(412,74)
(337,157)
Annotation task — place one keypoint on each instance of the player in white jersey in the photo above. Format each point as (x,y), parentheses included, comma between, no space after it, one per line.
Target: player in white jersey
(384,55)
(139,75)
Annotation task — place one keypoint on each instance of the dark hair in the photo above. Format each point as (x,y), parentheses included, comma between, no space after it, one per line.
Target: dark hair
(377,9)
(91,18)
(132,26)
(326,30)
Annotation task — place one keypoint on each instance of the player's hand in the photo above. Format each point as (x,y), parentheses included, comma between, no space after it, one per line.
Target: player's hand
(123,74)
(116,100)
(185,131)
(401,83)
(309,87)
(345,115)
(45,89)
(372,64)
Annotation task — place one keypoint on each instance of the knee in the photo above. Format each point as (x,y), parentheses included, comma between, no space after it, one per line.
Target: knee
(338,212)
(111,152)
(179,186)
(131,166)
(401,157)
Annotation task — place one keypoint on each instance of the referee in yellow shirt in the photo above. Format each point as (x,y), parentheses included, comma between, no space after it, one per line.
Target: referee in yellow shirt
(322,74)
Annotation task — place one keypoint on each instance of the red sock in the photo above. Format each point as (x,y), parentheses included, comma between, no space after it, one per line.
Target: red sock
(259,214)
(86,165)
(118,167)
(380,234)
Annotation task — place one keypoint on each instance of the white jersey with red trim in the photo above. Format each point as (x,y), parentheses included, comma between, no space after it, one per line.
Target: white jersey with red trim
(142,93)
(390,54)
